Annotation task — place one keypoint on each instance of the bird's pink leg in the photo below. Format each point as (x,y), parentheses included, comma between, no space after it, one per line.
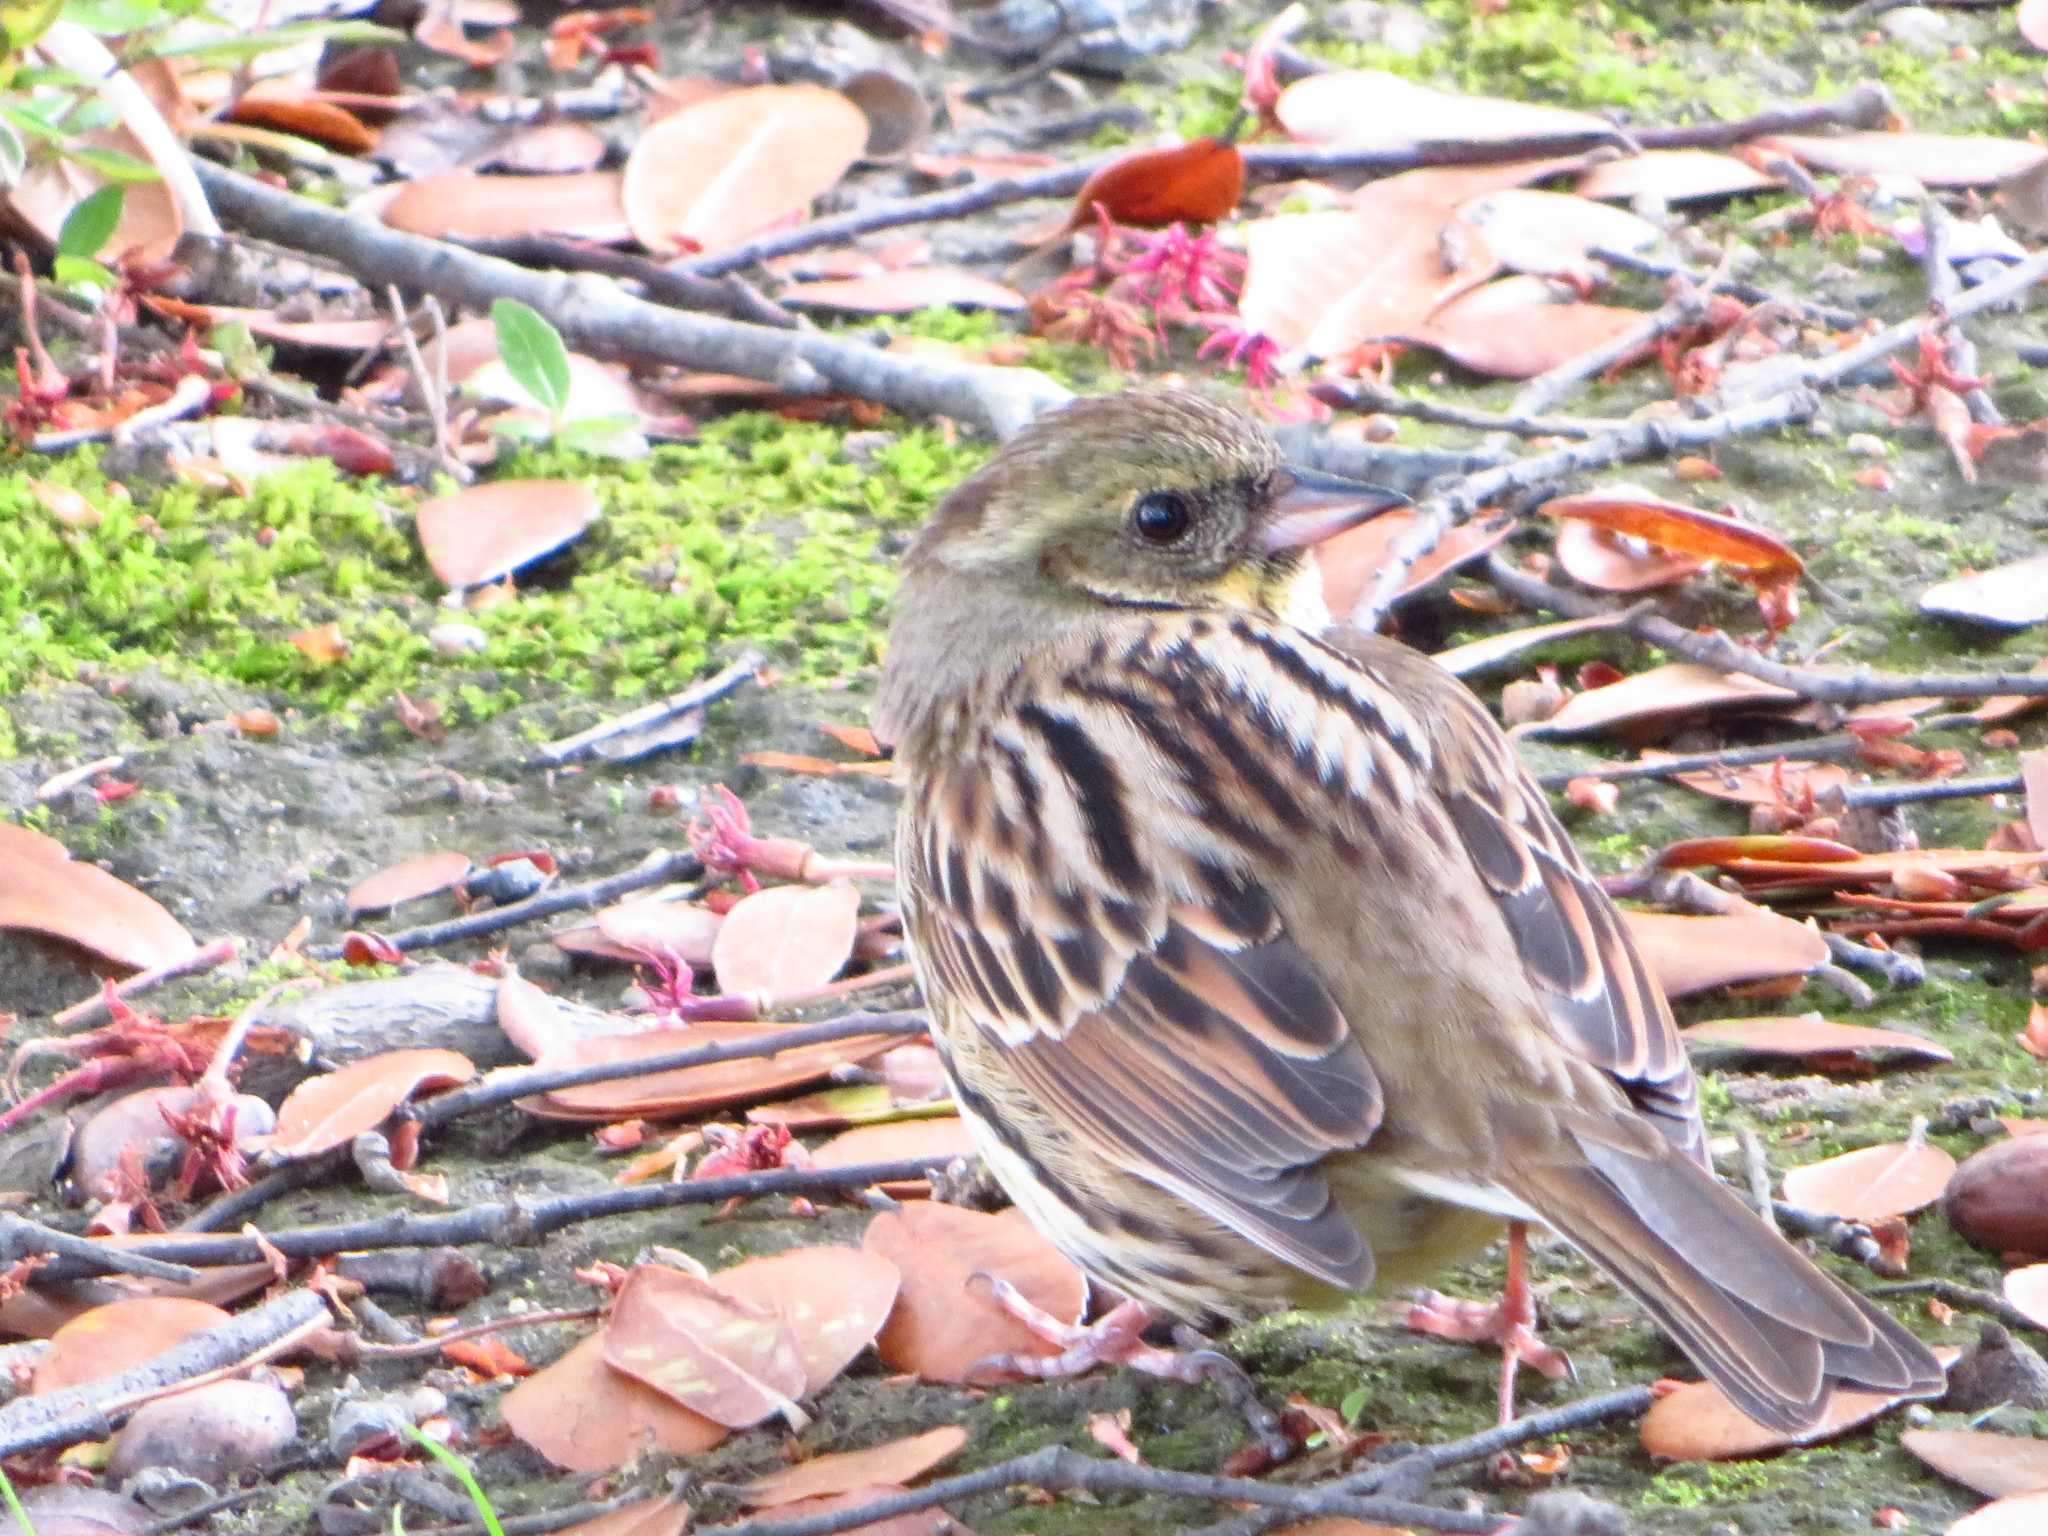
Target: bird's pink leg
(1116,1338)
(1509,1323)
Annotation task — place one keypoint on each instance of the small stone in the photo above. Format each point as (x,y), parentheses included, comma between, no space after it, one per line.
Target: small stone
(1917,27)
(358,1423)
(166,1492)
(1866,445)
(457,639)
(210,1432)
(1567,1512)
(1999,1370)
(1379,428)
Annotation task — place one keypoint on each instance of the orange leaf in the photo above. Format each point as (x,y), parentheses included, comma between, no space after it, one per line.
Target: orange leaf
(287,108)
(586,1417)
(1872,1183)
(1698,1423)
(692,1090)
(857,738)
(940,1138)
(477,535)
(112,1338)
(1595,557)
(333,1109)
(43,888)
(895,1462)
(324,644)
(1196,183)
(1995,1465)
(732,1360)
(799,762)
(2034,1038)
(424,874)
(1814,1041)
(834,1300)
(1690,954)
(488,1356)
(942,1326)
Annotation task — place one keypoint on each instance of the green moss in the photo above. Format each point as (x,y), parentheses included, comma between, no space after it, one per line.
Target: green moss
(763,531)
(1696,1484)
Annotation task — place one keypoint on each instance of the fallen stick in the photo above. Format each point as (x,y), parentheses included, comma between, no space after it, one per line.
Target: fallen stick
(696,696)
(1821,749)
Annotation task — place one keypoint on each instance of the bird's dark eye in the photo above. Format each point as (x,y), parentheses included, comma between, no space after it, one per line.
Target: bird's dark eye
(1161,516)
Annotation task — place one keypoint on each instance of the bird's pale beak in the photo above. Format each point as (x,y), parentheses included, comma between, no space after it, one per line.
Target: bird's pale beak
(1307,507)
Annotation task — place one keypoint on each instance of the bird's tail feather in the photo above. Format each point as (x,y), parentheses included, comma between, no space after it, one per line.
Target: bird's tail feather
(1754,1314)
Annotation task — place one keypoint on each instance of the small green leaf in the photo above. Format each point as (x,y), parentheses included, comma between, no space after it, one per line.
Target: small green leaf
(90,223)
(111,163)
(460,1470)
(1353,1406)
(113,18)
(233,49)
(81,271)
(533,353)
(608,437)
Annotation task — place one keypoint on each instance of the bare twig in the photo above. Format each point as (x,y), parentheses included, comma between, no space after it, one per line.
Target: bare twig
(1883,795)
(1821,749)
(1363,394)
(1545,390)
(1718,651)
(656,869)
(596,316)
(732,296)
(696,696)
(92,1009)
(21,1238)
(1966,1297)
(1943,288)
(1749,293)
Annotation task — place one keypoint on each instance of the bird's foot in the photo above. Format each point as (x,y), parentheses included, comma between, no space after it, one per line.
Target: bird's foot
(1117,1338)
(1512,1329)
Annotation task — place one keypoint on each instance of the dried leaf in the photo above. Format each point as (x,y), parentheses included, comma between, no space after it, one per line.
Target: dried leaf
(290,109)
(2027,1289)
(1995,1465)
(925,1522)
(488,531)
(732,1360)
(1689,954)
(462,205)
(896,1462)
(643,1517)
(787,938)
(1597,558)
(586,1417)
(1932,159)
(1364,108)
(1194,183)
(531,1019)
(1553,234)
(1812,1041)
(654,927)
(1759,555)
(904,292)
(118,1336)
(424,874)
(1871,1183)
(941,1138)
(2012,596)
(43,889)
(1674,176)
(336,1107)
(730,166)
(693,1090)
(1783,782)
(1478,655)
(1351,562)
(1698,1423)
(1519,327)
(856,738)
(2023,1514)
(1665,695)
(833,1299)
(941,1326)
(822,767)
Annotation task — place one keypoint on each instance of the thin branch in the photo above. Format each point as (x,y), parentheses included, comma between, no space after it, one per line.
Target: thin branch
(732,296)
(657,868)
(92,1009)
(1881,796)
(21,1239)
(696,696)
(1749,293)
(1365,395)
(1545,390)
(1059,1470)
(1965,1297)
(1718,651)
(505,1223)
(1821,749)
(595,315)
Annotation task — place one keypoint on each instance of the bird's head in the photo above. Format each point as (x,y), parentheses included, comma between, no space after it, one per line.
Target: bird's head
(1155,498)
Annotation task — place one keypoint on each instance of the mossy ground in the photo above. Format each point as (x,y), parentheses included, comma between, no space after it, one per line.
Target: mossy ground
(765,531)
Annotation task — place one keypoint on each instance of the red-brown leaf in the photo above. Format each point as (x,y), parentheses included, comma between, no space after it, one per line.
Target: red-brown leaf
(586,1417)
(1193,183)
(487,531)
(1814,1041)
(895,1462)
(1689,954)
(693,1090)
(423,874)
(336,1107)
(834,1300)
(734,1361)
(1995,1465)
(112,1338)
(44,889)
(1698,1423)
(787,938)
(1871,1183)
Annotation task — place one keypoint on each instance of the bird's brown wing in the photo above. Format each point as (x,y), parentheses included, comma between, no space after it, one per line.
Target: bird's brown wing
(1078,910)
(1599,1000)
(1753,1313)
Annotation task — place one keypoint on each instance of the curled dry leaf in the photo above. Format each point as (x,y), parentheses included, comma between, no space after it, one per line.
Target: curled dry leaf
(1689,954)
(336,1107)
(732,1360)
(897,1462)
(586,205)
(530,1019)
(1675,176)
(424,874)
(1698,1423)
(941,1326)
(1871,1183)
(586,1417)
(291,109)
(2013,596)
(480,534)
(693,1090)
(1361,108)
(1995,1465)
(1193,183)
(787,938)
(119,1336)
(904,292)
(1812,1041)
(731,165)
(43,889)
(1932,159)
(1755,553)
(1666,696)
(833,1299)
(1597,558)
